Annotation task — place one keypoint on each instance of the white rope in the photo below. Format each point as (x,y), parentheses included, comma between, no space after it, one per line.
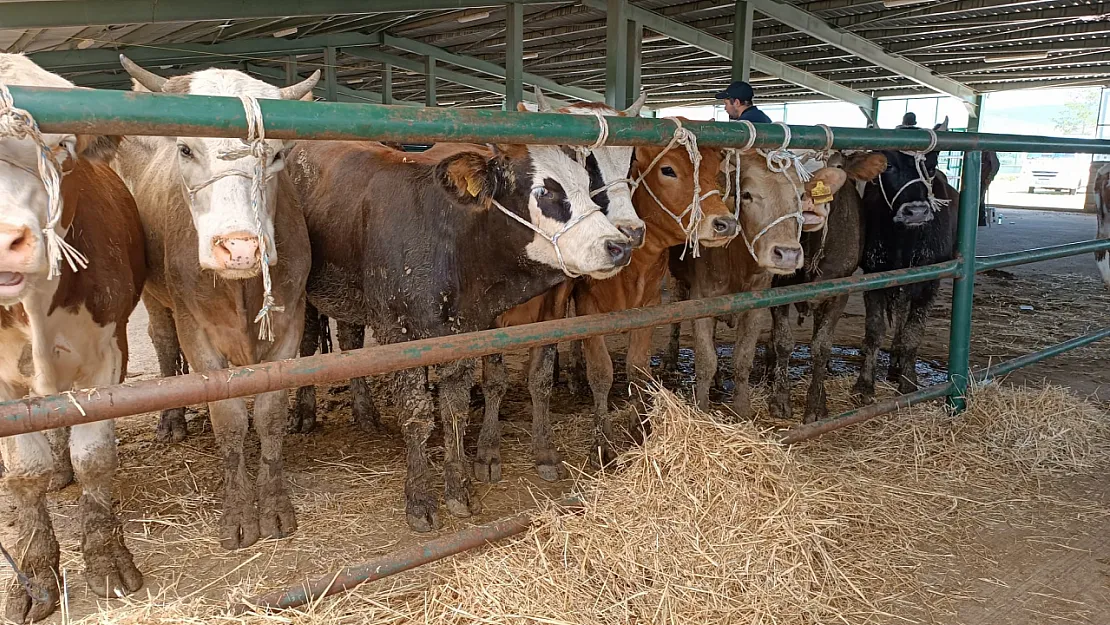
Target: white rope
(922,170)
(732,157)
(254,145)
(19,124)
(553,239)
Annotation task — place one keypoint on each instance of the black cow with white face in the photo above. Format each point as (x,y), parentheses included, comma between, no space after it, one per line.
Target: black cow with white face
(910,214)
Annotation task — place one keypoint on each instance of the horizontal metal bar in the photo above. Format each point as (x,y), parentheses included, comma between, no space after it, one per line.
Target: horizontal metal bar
(130,113)
(85,406)
(1024,257)
(866,413)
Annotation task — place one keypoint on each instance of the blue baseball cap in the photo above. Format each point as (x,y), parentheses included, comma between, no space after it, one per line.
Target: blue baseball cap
(738,90)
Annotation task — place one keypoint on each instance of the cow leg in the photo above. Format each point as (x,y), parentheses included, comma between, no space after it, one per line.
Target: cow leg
(874,333)
(163,334)
(455,381)
(410,388)
(63,464)
(638,363)
(548,461)
(576,368)
(900,308)
(1102,258)
(599,371)
(303,418)
(749,324)
(679,292)
(28,465)
(367,417)
(908,341)
(705,359)
(495,381)
(782,343)
(825,317)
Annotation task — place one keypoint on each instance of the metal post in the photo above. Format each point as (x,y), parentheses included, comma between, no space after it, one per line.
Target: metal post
(429,81)
(635,47)
(959,339)
(742,41)
(291,76)
(616,49)
(387,84)
(331,83)
(514,55)
(875,111)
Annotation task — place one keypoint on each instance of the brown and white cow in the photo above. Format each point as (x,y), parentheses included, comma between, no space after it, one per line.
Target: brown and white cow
(1102,208)
(416,247)
(63,334)
(769,245)
(204,285)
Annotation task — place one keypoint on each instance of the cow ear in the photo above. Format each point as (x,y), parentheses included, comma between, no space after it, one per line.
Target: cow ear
(864,166)
(468,176)
(97,147)
(824,184)
(527,107)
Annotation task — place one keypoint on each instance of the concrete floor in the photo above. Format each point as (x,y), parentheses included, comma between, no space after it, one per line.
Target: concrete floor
(1025,228)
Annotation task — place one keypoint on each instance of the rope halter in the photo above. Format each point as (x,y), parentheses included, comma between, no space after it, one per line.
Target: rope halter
(582,153)
(553,239)
(17,123)
(254,146)
(693,209)
(935,203)
(779,161)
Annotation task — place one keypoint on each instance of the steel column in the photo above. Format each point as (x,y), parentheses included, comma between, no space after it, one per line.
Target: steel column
(616,52)
(387,83)
(973,114)
(291,76)
(742,41)
(633,61)
(429,81)
(959,339)
(331,81)
(514,55)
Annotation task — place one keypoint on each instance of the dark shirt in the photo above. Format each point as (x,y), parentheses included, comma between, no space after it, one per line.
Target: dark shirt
(754,115)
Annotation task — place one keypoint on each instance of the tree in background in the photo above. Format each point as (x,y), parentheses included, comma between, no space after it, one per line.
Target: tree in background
(1080,115)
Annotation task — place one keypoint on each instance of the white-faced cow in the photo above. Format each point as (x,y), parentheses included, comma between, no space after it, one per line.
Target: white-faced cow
(416,247)
(1102,208)
(910,214)
(62,333)
(204,286)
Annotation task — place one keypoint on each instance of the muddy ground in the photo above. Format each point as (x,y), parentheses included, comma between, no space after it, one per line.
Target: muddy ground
(347,484)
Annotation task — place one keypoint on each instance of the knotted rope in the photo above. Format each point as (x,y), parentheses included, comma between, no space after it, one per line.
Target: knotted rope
(922,170)
(19,124)
(553,239)
(254,146)
(582,153)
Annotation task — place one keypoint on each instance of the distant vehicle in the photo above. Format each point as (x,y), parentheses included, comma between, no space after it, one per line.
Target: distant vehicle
(1056,172)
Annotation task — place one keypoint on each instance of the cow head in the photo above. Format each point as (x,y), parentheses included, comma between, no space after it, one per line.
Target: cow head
(217,188)
(607,166)
(906,186)
(666,191)
(546,188)
(24,204)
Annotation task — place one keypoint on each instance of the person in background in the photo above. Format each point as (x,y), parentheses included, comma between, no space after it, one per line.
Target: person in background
(909,120)
(738,103)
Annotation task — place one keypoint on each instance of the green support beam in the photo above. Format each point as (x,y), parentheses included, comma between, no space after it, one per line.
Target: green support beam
(634,63)
(490,69)
(704,41)
(742,41)
(514,55)
(387,83)
(30,14)
(963,289)
(291,76)
(616,52)
(331,81)
(430,81)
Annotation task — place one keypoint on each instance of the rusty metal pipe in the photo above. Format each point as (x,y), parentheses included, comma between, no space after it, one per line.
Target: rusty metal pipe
(866,413)
(86,406)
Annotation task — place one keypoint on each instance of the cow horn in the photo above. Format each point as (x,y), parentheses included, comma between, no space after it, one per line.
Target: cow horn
(146,78)
(542,103)
(297,91)
(634,110)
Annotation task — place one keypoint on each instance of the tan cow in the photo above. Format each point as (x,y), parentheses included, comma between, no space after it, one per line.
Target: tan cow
(205,287)
(62,333)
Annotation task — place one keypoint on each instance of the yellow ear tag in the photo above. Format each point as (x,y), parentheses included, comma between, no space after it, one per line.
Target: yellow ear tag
(473,186)
(821,193)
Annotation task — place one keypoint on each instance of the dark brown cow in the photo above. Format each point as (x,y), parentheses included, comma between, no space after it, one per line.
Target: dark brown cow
(63,334)
(1102,208)
(416,247)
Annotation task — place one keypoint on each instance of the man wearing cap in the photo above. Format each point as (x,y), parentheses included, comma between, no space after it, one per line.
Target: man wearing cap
(909,121)
(738,103)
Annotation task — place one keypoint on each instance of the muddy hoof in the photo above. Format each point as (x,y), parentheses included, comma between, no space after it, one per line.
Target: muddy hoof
(863,394)
(602,456)
(422,516)
(172,427)
(61,478)
(276,517)
(461,507)
(780,409)
(110,571)
(19,607)
(239,528)
(549,465)
(906,385)
(489,470)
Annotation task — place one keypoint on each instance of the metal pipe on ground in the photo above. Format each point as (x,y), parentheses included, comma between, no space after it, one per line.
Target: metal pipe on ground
(110,112)
(86,406)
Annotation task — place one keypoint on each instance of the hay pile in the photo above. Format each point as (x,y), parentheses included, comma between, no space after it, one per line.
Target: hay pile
(714,523)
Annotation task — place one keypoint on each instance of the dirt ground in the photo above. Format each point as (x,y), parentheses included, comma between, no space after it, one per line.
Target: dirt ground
(347,484)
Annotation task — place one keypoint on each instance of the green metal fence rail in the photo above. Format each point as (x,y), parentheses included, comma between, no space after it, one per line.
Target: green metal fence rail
(120,112)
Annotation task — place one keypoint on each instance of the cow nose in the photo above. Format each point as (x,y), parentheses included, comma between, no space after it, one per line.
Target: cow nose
(724,226)
(914,214)
(786,257)
(17,246)
(620,252)
(237,252)
(636,234)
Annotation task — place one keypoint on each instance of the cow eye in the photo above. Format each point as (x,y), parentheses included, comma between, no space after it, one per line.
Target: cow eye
(541,192)
(747,197)
(669,172)
(185,150)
